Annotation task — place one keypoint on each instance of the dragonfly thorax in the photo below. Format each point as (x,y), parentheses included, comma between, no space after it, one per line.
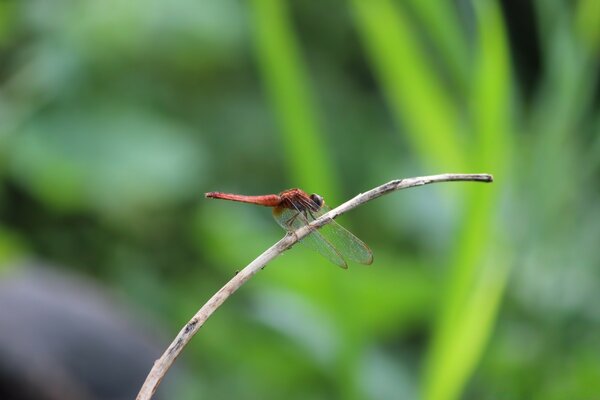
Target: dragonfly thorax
(299,200)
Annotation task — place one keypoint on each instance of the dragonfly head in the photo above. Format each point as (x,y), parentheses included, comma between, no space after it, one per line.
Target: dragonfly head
(317,200)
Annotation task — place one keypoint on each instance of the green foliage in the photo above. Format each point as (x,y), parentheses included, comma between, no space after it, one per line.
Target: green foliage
(285,78)
(115,118)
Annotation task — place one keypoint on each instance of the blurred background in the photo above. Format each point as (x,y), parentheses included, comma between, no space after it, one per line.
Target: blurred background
(116,117)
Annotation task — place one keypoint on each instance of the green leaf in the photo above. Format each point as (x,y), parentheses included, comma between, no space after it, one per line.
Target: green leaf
(414,91)
(472,298)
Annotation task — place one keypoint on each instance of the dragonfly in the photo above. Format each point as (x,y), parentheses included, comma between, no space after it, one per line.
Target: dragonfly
(293,209)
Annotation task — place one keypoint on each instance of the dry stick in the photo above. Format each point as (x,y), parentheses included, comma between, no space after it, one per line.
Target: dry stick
(189,330)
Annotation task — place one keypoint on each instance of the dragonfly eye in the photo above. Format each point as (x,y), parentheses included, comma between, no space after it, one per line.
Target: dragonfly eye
(318,200)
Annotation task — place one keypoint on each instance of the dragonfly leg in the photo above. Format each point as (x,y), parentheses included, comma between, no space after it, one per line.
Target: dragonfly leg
(313,216)
(290,221)
(306,212)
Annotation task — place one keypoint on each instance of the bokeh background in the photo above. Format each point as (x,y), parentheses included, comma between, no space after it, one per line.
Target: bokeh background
(116,116)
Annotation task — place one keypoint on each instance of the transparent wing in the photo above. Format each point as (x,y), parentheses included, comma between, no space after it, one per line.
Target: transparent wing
(332,241)
(290,220)
(348,245)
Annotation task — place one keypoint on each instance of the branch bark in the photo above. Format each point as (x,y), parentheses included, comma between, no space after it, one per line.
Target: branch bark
(162,365)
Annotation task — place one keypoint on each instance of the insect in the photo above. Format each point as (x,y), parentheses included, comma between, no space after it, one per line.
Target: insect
(294,208)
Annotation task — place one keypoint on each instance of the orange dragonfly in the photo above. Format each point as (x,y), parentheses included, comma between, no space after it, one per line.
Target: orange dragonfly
(293,209)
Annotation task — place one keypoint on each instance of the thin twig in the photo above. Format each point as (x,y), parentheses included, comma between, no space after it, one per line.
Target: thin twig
(162,365)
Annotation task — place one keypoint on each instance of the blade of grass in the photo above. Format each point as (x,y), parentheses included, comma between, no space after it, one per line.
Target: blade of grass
(470,303)
(565,99)
(470,336)
(414,91)
(491,92)
(587,19)
(286,80)
(442,25)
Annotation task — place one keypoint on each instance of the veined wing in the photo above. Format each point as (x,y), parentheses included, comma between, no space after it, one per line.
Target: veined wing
(348,245)
(332,240)
(291,220)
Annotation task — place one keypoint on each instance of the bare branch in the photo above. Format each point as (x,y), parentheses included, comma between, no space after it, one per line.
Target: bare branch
(162,365)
